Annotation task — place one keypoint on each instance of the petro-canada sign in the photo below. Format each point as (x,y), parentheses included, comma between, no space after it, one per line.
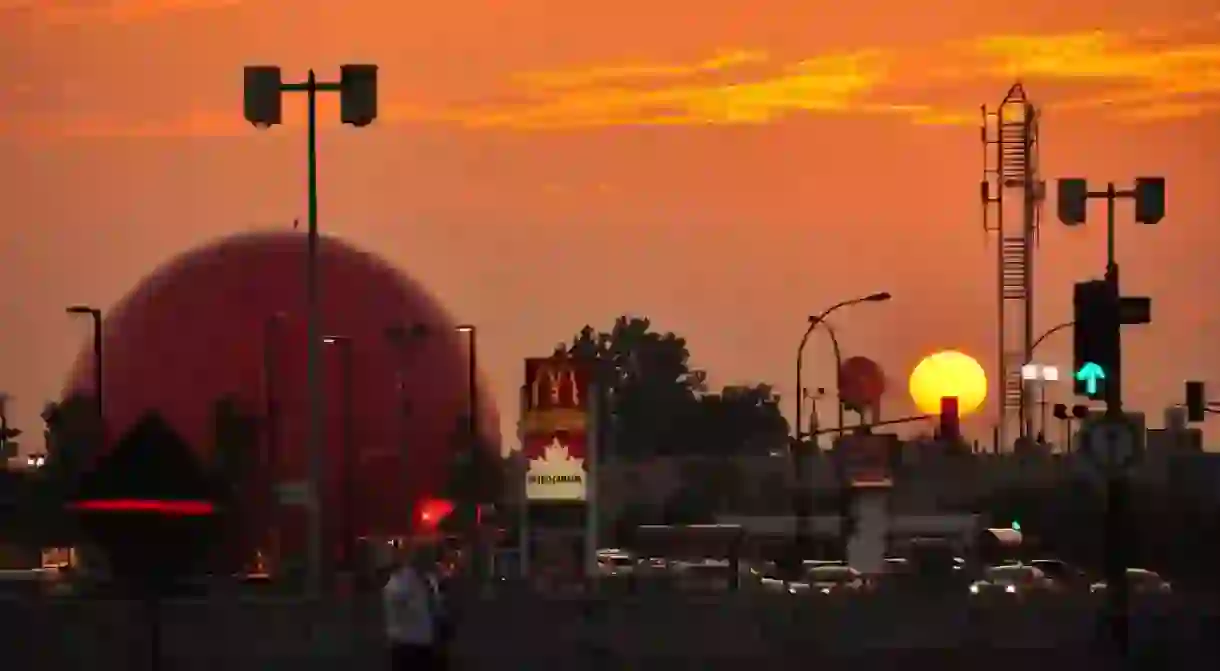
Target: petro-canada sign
(554,424)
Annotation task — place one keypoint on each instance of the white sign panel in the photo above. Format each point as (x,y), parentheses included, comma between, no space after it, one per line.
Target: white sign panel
(555,475)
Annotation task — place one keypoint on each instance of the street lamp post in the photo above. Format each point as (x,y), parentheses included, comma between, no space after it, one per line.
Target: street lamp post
(472,434)
(1032,373)
(472,384)
(96,315)
(271,456)
(814,321)
(404,339)
(348,517)
(1042,386)
(802,502)
(264,89)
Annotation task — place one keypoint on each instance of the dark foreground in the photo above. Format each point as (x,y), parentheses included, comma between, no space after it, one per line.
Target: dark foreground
(525,631)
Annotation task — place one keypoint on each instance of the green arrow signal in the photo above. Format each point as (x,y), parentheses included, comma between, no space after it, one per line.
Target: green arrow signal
(1090,374)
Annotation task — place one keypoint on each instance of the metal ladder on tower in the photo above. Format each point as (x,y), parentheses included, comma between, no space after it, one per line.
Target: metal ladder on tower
(1014,265)
(1013,272)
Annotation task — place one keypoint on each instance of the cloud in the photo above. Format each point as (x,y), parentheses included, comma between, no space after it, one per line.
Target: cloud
(1148,75)
(619,73)
(662,94)
(69,12)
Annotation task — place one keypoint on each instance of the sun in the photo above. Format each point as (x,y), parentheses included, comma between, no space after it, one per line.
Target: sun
(948,373)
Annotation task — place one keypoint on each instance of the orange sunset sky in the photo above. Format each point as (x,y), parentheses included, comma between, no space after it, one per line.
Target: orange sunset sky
(725,168)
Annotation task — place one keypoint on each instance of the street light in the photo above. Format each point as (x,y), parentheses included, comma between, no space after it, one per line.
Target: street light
(472,429)
(472,384)
(802,512)
(348,517)
(264,88)
(1033,373)
(814,321)
(96,315)
(36,460)
(404,339)
(271,456)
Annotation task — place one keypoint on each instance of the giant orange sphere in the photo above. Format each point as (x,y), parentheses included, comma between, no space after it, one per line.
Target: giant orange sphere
(228,318)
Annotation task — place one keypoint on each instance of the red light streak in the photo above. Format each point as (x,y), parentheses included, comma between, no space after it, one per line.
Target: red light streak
(186,508)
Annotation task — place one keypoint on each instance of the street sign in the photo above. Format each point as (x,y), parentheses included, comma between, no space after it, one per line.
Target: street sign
(1111,445)
(1091,374)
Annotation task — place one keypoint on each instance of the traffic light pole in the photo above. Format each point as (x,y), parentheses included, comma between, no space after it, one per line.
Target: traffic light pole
(1115,527)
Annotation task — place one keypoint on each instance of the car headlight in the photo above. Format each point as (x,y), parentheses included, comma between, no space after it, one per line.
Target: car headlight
(1011,589)
(825,590)
(974,589)
(791,589)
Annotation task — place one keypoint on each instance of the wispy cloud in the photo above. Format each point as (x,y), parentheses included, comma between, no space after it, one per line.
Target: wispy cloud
(66,12)
(1143,76)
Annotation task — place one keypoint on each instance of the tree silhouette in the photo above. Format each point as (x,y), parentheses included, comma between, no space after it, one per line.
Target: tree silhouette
(739,421)
(659,406)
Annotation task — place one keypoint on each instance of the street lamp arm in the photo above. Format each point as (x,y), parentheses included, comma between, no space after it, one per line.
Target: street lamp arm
(1049,332)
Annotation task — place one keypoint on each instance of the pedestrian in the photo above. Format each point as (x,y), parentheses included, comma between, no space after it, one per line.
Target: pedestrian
(413,612)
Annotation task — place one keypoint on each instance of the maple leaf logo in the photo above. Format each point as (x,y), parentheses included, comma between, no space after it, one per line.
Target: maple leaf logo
(557,474)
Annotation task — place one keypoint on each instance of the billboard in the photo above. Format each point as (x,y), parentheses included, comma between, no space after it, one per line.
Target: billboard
(555,428)
(867,460)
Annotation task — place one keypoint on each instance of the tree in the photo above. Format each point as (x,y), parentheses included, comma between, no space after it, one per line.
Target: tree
(741,420)
(73,434)
(652,389)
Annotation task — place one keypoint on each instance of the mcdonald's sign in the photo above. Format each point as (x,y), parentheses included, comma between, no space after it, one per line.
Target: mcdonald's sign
(556,384)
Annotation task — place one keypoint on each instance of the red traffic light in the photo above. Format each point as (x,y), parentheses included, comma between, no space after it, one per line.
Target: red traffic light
(950,424)
(431,513)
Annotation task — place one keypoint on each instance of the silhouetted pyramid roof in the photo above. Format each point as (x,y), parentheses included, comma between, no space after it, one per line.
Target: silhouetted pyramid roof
(150,462)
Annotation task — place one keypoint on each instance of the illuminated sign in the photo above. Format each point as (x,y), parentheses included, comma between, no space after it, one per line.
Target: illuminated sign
(555,384)
(556,469)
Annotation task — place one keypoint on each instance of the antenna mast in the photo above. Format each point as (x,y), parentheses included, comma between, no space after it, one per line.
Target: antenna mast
(1012,194)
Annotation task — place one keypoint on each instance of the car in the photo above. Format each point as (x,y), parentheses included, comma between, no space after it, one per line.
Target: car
(1141,582)
(615,564)
(1066,575)
(834,579)
(1014,580)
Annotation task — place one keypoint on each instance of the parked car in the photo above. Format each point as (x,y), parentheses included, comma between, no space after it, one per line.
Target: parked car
(834,579)
(1141,582)
(1065,575)
(1011,580)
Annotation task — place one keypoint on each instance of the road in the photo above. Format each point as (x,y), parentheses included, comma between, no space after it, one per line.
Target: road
(658,631)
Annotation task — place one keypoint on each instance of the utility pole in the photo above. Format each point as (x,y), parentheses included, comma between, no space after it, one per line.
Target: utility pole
(264,89)
(1101,313)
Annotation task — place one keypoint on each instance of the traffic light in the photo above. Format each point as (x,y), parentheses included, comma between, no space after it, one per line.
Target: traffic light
(1096,339)
(431,513)
(1149,199)
(1061,411)
(358,94)
(950,422)
(1196,401)
(1073,201)
(263,104)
